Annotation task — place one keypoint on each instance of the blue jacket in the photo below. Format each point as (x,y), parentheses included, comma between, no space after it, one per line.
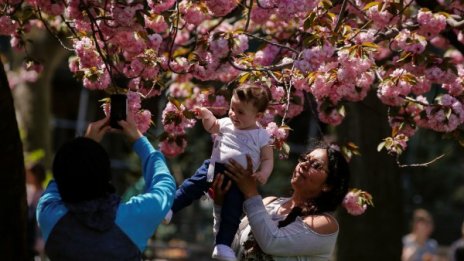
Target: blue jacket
(106,229)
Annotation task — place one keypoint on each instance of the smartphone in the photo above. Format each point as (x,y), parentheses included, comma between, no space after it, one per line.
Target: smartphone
(118,109)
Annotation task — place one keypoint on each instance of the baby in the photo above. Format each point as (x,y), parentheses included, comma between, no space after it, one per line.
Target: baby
(238,135)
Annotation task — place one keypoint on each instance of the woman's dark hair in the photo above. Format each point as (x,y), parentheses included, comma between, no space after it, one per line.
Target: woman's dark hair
(81,169)
(258,96)
(337,180)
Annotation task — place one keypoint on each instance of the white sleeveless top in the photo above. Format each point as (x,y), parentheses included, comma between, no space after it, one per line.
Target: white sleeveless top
(296,241)
(232,143)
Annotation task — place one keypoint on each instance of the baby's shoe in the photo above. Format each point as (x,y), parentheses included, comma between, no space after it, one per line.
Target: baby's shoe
(167,218)
(224,253)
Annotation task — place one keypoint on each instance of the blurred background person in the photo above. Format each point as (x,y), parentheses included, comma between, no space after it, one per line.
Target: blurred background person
(417,245)
(456,250)
(35,176)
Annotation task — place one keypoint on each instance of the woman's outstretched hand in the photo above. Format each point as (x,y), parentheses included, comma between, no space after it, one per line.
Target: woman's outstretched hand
(219,190)
(97,129)
(129,127)
(243,177)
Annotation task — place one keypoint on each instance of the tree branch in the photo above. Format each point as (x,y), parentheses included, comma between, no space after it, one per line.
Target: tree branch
(270,42)
(426,164)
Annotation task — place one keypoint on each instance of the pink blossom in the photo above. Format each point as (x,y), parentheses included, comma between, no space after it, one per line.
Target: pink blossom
(410,42)
(240,44)
(434,74)
(16,42)
(260,15)
(445,118)
(276,132)
(73,64)
(267,55)
(380,18)
(124,15)
(194,15)
(133,101)
(353,204)
(174,121)
(278,93)
(220,105)
(159,6)
(431,24)
(301,84)
(98,80)
(180,90)
(88,56)
(219,47)
(422,86)
(7,25)
(332,117)
(156,23)
(221,7)
(171,147)
(143,120)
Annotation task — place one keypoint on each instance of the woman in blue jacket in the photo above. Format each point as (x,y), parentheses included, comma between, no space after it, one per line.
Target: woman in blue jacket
(81,217)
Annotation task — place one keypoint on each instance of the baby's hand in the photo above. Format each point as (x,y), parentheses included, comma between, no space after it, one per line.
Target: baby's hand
(259,176)
(197,112)
(201,112)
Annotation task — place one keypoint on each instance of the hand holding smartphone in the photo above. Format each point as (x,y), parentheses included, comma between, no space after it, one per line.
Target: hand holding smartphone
(118,109)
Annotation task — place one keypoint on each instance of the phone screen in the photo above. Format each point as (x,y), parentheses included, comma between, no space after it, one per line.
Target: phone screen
(118,109)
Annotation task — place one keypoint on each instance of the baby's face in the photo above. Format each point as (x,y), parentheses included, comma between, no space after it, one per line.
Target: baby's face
(243,114)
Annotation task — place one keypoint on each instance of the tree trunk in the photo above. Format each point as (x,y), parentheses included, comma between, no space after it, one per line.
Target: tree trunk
(12,178)
(376,235)
(34,99)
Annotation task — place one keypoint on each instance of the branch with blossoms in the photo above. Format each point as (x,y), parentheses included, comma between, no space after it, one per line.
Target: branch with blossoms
(279,135)
(335,52)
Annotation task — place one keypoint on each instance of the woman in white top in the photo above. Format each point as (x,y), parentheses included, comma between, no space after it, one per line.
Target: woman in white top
(300,227)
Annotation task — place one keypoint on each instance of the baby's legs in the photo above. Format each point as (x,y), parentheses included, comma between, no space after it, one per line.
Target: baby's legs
(231,212)
(230,216)
(192,188)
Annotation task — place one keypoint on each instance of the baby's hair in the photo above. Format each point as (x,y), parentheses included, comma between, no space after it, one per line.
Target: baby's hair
(259,96)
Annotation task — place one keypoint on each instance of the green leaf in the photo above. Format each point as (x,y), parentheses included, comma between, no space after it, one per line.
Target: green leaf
(327,4)
(175,102)
(308,22)
(380,146)
(388,143)
(461,142)
(180,52)
(448,113)
(370,45)
(404,56)
(286,148)
(244,77)
(309,39)
(188,114)
(369,5)
(193,57)
(447,15)
(342,111)
(105,100)
(285,127)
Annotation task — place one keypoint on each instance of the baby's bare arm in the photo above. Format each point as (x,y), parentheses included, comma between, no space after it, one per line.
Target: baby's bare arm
(267,164)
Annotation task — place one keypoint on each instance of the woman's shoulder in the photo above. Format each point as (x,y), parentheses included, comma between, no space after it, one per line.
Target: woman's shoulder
(324,224)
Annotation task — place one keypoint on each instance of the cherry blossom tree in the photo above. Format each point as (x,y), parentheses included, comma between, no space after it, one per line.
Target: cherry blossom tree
(409,54)
(328,52)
